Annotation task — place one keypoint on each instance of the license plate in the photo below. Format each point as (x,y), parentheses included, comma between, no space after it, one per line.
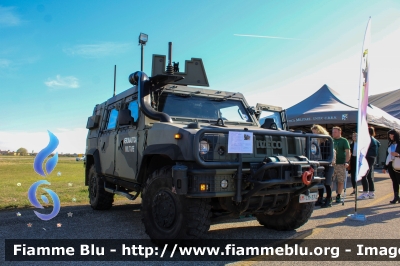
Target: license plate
(310,198)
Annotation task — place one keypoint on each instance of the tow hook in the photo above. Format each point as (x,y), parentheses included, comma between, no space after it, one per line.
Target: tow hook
(307,176)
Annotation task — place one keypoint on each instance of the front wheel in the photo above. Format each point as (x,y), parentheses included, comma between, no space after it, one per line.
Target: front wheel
(167,215)
(293,216)
(99,198)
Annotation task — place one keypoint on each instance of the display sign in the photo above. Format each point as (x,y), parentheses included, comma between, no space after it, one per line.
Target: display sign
(240,142)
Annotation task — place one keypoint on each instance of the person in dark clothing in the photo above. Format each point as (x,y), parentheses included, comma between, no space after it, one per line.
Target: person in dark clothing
(368,180)
(325,147)
(353,162)
(392,152)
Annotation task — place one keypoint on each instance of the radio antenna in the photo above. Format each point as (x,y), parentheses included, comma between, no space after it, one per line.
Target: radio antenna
(115,78)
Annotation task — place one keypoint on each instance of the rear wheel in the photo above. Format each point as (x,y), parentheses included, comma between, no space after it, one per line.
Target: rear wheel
(99,198)
(167,215)
(289,218)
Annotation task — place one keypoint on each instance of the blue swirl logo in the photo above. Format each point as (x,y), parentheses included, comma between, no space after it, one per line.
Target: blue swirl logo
(50,165)
(42,155)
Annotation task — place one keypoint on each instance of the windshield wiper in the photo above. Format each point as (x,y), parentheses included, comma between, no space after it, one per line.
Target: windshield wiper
(191,118)
(183,95)
(218,99)
(223,99)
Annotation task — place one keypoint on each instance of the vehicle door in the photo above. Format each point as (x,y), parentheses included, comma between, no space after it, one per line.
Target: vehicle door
(271,117)
(126,153)
(107,139)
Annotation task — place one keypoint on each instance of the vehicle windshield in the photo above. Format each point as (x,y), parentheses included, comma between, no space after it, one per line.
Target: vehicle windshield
(203,108)
(271,117)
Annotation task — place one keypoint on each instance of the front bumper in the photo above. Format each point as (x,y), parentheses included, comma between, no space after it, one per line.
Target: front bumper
(275,175)
(251,187)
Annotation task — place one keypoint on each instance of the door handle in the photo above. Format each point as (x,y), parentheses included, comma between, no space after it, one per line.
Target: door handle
(121,144)
(104,144)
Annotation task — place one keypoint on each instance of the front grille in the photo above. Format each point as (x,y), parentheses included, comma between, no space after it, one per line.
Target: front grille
(264,145)
(268,145)
(218,149)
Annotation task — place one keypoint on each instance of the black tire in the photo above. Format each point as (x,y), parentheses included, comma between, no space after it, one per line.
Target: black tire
(167,215)
(292,217)
(98,197)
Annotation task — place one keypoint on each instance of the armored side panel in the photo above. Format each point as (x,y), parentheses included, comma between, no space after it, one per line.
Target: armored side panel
(194,74)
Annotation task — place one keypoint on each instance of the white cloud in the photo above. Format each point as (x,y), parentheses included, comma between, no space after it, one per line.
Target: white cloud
(62,82)
(97,50)
(70,141)
(8,68)
(4,63)
(8,17)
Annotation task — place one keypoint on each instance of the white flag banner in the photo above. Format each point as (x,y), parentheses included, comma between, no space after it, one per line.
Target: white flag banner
(364,138)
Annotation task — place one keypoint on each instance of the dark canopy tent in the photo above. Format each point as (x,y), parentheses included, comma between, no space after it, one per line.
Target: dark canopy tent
(325,107)
(388,102)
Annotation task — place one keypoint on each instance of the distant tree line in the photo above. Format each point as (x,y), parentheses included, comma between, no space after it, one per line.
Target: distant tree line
(24,152)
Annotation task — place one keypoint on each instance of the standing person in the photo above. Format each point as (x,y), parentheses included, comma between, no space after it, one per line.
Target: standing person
(342,148)
(393,150)
(353,162)
(325,146)
(368,180)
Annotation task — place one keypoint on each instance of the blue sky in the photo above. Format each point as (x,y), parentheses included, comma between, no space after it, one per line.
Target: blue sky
(57,57)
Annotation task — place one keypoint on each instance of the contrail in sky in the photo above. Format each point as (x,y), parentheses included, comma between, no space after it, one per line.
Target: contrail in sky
(268,37)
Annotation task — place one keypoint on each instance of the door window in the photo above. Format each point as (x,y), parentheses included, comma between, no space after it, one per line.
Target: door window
(112,119)
(134,107)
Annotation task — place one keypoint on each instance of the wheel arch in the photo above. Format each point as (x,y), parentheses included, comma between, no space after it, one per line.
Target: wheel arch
(150,163)
(92,157)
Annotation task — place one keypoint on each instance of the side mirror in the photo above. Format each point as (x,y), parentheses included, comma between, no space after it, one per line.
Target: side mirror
(93,122)
(252,110)
(125,118)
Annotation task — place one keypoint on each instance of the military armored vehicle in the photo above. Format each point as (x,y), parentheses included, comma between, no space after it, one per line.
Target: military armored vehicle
(194,154)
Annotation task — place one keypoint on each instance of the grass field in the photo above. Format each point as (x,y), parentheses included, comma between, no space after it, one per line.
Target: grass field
(17,175)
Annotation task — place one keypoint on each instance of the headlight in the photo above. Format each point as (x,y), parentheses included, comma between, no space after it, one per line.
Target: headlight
(204,147)
(313,149)
(224,183)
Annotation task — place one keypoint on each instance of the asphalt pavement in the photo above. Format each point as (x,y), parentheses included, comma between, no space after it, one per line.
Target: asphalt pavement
(124,222)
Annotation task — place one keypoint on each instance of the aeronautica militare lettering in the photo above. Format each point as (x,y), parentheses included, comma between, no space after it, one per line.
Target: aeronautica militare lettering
(130,148)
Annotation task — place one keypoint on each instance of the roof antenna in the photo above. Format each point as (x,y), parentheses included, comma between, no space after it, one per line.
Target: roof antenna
(115,79)
(170,68)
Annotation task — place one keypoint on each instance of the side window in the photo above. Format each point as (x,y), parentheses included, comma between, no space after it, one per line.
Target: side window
(134,107)
(273,115)
(112,119)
